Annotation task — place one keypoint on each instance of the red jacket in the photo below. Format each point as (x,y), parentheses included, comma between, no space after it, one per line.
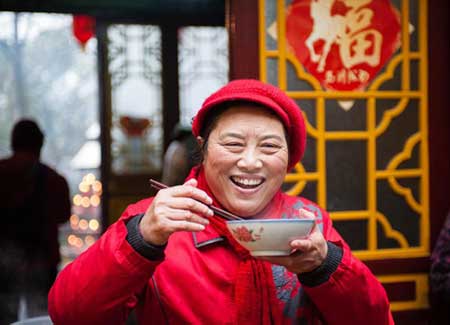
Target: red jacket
(194,282)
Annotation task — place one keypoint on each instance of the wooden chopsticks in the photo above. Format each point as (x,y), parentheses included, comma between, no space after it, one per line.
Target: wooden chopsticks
(220,212)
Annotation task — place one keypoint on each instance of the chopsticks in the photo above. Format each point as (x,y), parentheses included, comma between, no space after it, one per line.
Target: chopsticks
(220,212)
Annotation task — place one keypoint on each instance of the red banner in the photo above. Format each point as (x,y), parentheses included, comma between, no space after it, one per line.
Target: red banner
(343,43)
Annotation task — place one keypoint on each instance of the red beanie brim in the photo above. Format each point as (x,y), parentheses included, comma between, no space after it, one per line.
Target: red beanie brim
(267,95)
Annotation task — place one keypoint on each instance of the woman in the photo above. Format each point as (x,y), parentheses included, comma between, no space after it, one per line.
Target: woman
(173,261)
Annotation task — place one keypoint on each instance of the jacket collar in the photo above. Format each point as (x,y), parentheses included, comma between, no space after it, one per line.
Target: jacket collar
(206,237)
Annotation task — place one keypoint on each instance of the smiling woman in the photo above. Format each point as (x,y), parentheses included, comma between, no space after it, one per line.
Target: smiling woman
(167,249)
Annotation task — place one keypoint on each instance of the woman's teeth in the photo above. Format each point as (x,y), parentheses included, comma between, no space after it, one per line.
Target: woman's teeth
(245,182)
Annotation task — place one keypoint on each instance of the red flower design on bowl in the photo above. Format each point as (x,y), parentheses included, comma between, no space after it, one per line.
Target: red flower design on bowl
(244,234)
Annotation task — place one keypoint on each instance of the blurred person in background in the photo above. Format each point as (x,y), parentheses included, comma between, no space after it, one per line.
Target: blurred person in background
(440,276)
(34,200)
(179,156)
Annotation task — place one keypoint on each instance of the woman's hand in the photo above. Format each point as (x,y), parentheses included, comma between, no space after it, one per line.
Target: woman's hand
(307,254)
(177,208)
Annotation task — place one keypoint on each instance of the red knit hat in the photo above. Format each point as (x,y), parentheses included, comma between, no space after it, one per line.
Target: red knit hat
(268,96)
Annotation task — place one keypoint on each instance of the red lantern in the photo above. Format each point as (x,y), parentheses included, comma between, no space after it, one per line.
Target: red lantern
(134,126)
(83,28)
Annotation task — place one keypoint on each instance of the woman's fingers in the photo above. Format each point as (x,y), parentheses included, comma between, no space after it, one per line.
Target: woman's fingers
(172,226)
(159,223)
(186,215)
(190,190)
(181,208)
(307,254)
(307,244)
(303,245)
(297,262)
(183,203)
(191,182)
(178,208)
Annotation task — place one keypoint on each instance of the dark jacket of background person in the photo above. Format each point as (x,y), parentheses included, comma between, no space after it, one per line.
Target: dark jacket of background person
(34,199)
(440,276)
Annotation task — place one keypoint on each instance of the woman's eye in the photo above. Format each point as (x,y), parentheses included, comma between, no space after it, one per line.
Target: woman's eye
(234,144)
(270,145)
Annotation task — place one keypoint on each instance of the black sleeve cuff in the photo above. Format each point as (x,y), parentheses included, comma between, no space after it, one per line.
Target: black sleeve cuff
(323,272)
(135,239)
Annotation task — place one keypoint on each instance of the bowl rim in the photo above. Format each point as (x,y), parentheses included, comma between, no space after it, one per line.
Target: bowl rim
(246,221)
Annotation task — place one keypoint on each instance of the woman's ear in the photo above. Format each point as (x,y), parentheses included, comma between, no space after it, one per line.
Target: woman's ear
(201,149)
(200,141)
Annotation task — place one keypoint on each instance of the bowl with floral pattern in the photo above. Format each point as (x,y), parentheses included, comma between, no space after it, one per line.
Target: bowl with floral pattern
(269,237)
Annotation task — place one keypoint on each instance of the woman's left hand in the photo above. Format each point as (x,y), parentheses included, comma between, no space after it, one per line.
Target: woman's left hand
(307,254)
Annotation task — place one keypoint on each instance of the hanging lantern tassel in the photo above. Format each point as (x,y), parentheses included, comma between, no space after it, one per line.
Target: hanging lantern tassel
(83,28)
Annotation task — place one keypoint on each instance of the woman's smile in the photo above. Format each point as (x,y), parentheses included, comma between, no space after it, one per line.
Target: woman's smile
(246,182)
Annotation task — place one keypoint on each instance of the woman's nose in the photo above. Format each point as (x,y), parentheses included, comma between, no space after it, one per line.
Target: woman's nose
(249,160)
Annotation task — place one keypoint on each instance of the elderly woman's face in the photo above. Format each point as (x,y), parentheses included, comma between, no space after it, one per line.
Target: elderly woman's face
(246,159)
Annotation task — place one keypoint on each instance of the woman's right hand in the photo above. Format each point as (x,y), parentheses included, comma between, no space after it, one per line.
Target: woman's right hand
(178,208)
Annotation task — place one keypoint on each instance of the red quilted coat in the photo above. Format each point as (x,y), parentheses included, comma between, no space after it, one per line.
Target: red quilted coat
(193,284)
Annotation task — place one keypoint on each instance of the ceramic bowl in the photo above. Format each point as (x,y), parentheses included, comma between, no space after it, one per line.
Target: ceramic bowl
(269,237)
